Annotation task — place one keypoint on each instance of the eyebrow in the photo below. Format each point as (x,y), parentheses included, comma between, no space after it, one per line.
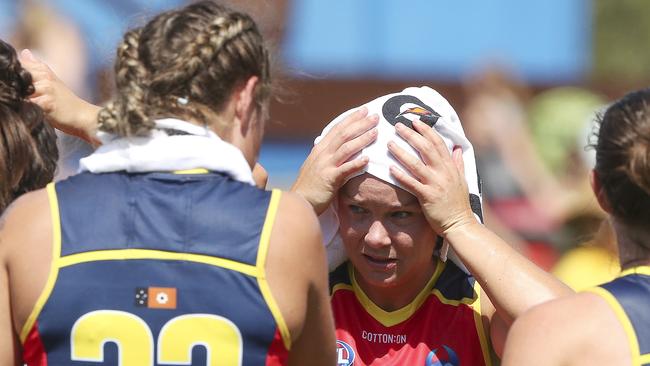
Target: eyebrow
(412,201)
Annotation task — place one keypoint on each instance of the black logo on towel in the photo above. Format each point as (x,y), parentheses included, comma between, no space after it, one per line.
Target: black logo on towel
(393,114)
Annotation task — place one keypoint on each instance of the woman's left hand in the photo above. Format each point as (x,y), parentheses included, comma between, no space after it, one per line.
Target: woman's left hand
(437,179)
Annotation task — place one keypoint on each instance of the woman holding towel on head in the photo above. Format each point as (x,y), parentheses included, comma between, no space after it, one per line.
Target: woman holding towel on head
(392,193)
(163,250)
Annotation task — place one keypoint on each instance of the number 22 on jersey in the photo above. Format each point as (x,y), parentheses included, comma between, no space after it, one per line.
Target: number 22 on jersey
(221,338)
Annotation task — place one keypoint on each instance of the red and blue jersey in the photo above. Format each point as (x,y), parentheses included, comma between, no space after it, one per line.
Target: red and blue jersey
(629,296)
(157,269)
(441,326)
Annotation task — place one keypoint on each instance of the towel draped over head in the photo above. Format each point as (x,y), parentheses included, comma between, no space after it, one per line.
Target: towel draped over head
(428,106)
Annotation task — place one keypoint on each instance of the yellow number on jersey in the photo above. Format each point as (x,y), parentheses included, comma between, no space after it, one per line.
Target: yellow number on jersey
(130,333)
(220,337)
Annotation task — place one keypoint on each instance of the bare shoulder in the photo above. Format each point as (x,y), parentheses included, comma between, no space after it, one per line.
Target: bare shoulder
(296,224)
(567,330)
(295,260)
(25,221)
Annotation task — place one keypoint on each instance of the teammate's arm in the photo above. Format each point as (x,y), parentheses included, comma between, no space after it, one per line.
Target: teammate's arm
(297,274)
(65,110)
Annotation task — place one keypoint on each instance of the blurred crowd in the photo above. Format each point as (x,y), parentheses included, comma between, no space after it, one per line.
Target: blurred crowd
(532,144)
(534,153)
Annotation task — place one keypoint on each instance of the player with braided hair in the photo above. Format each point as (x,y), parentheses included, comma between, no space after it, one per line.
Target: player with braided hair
(28,151)
(609,324)
(163,250)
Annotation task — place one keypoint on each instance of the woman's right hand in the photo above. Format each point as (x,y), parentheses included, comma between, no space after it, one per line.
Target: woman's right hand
(64,109)
(328,165)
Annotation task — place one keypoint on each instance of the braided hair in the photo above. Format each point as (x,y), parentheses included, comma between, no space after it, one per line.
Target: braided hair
(184,63)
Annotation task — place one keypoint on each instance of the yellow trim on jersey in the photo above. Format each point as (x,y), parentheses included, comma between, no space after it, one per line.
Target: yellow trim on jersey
(54,266)
(446,301)
(262,251)
(192,171)
(480,329)
(644,359)
(127,254)
(644,270)
(623,319)
(341,286)
(390,318)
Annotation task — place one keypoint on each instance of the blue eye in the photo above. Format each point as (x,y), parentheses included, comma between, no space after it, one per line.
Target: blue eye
(401,214)
(357,209)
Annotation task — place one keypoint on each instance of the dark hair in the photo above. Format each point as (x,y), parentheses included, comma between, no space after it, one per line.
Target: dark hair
(184,62)
(623,157)
(28,152)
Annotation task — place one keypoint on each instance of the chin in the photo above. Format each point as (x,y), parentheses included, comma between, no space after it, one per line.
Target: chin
(383,280)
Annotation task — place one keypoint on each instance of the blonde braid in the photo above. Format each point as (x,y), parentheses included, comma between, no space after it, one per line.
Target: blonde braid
(202,51)
(127,115)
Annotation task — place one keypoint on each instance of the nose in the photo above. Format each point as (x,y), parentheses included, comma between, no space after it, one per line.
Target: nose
(377,235)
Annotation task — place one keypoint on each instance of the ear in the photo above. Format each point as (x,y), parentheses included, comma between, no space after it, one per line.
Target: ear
(597,188)
(245,100)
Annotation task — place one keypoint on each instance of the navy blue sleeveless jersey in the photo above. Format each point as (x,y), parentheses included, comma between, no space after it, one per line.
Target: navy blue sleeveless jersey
(157,269)
(629,296)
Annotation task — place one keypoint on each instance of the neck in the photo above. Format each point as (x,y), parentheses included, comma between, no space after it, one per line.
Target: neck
(633,245)
(397,296)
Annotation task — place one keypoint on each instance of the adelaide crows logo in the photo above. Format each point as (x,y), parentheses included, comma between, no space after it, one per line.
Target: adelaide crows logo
(393,113)
(437,358)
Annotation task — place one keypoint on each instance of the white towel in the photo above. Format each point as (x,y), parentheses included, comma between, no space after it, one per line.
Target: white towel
(172,145)
(412,103)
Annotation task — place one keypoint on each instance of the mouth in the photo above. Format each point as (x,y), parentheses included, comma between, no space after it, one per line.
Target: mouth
(380,262)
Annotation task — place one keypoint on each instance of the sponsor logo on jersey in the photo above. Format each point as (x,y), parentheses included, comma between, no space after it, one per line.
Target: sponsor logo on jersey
(344,354)
(383,337)
(405,108)
(156,297)
(442,357)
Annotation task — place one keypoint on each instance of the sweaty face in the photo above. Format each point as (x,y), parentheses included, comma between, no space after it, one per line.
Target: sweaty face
(385,233)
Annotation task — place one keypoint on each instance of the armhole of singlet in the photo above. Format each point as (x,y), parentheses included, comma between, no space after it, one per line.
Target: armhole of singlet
(480,329)
(261,268)
(622,318)
(54,263)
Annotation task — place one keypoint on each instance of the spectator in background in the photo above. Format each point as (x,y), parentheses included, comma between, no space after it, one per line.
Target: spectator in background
(530,153)
(515,180)
(562,120)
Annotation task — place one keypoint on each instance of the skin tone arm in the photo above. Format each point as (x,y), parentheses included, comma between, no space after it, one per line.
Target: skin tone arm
(439,184)
(65,110)
(297,274)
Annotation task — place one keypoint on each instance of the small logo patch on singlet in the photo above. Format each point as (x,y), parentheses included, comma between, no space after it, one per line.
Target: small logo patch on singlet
(155,297)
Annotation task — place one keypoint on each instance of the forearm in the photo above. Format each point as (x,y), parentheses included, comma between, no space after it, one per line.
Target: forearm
(513,283)
(82,122)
